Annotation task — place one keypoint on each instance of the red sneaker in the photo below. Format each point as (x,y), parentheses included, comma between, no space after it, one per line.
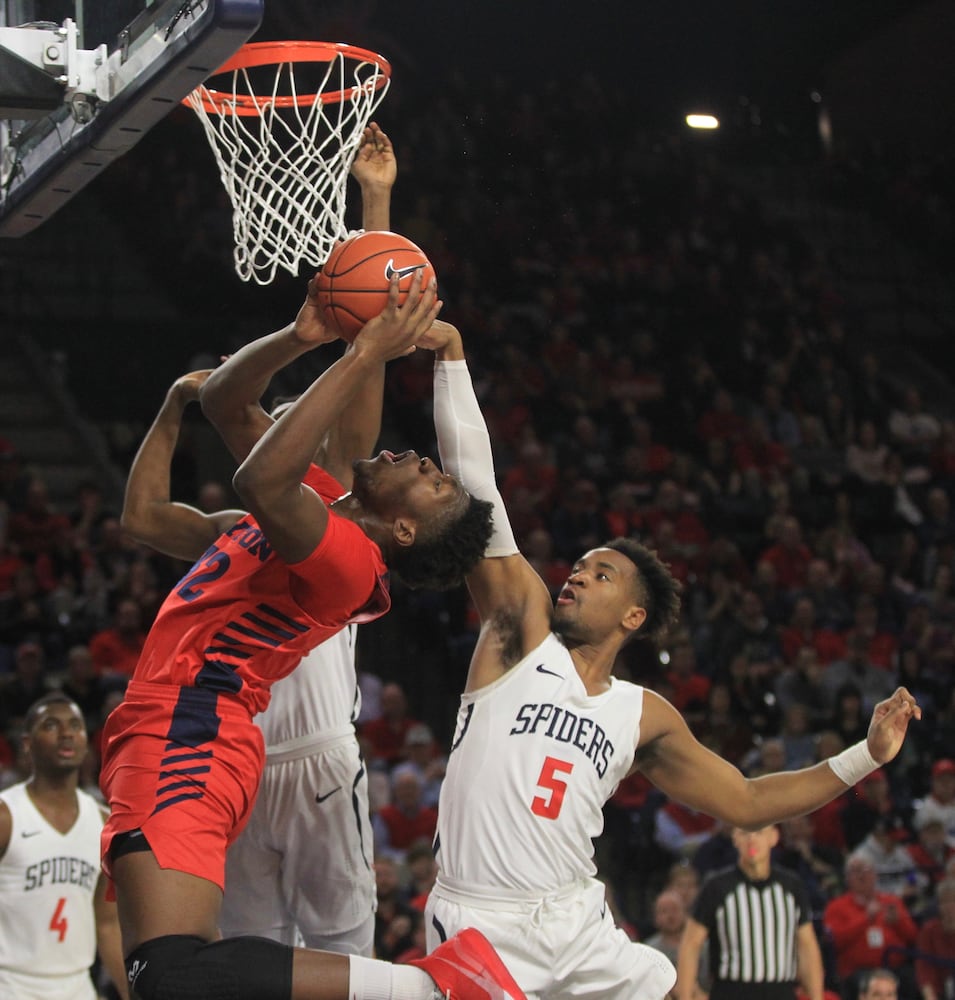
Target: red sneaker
(466,967)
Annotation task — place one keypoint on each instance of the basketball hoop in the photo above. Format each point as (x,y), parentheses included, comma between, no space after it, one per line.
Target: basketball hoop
(285,135)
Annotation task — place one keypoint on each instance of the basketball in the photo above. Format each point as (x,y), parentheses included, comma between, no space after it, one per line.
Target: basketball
(352,286)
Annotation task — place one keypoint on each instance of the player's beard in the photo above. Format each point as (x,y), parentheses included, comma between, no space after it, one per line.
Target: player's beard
(568,629)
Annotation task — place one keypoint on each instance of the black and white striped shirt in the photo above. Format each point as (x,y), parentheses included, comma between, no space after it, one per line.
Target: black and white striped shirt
(752,932)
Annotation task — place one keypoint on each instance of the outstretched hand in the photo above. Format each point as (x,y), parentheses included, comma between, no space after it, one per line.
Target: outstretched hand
(375,163)
(889,724)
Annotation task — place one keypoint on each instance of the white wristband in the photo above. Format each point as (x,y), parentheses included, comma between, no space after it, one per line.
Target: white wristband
(854,764)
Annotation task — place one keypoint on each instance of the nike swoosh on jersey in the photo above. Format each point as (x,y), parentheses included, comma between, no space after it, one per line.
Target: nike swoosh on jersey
(541,669)
(390,269)
(31,833)
(322,798)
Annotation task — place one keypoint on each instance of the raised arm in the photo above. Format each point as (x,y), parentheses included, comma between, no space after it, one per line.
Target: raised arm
(149,514)
(376,169)
(269,481)
(503,581)
(230,396)
(355,433)
(685,770)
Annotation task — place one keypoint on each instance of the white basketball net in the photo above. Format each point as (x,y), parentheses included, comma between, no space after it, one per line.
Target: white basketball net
(285,169)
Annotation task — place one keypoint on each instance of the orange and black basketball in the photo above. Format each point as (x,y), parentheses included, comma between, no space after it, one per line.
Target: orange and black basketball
(352,286)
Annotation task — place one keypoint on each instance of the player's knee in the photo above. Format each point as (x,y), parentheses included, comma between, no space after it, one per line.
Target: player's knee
(149,965)
(180,967)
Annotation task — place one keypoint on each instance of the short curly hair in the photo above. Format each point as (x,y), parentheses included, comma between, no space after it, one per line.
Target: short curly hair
(659,589)
(442,558)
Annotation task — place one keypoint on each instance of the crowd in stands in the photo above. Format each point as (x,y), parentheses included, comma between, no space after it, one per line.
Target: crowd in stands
(657,357)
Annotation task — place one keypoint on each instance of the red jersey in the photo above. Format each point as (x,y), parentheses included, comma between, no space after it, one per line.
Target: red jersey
(242,618)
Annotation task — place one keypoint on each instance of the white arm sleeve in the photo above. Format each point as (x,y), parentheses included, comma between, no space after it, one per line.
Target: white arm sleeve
(465,447)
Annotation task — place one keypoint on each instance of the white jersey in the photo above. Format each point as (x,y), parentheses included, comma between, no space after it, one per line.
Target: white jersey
(318,699)
(533,761)
(47,883)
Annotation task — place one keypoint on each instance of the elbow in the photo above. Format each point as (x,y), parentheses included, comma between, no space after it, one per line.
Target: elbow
(244,483)
(253,485)
(134,524)
(217,402)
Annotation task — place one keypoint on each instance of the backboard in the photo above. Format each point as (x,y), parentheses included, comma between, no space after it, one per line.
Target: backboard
(81,81)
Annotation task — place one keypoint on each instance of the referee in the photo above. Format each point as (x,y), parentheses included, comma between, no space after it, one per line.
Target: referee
(758,921)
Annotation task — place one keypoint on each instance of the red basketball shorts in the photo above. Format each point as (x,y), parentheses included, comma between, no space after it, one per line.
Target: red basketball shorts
(182,765)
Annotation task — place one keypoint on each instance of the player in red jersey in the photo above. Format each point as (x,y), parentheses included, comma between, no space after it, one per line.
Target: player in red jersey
(182,757)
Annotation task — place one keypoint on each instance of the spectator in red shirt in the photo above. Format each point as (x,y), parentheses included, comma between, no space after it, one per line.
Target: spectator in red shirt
(827,829)
(690,688)
(622,516)
(406,820)
(37,527)
(721,420)
(936,941)
(790,555)
(757,450)
(535,472)
(386,734)
(863,923)
(116,650)
(881,645)
(803,630)
(689,532)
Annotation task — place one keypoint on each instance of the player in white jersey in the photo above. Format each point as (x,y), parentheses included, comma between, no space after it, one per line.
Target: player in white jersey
(301,870)
(304,861)
(53,911)
(544,734)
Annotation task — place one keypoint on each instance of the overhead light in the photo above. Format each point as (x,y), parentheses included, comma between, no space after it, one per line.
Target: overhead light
(702,121)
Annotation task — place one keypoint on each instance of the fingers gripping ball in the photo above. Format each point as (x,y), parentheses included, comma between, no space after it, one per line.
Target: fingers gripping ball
(352,286)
